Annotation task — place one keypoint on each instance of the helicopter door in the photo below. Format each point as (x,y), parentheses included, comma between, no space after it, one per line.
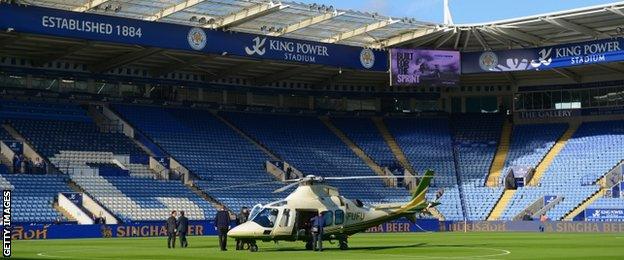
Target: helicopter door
(285,224)
(302,222)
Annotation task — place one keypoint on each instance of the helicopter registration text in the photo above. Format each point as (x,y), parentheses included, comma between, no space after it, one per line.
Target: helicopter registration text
(355,216)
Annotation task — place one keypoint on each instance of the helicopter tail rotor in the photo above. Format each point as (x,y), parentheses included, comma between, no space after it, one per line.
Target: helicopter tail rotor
(419,201)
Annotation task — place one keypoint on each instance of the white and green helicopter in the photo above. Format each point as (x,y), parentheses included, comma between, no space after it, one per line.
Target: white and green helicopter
(286,220)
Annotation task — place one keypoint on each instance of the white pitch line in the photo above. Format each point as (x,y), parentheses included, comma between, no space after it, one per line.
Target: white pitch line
(502,253)
(47,254)
(365,255)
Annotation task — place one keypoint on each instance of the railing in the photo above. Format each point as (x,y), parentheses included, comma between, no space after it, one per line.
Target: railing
(458,174)
(74,210)
(535,206)
(391,180)
(547,207)
(409,180)
(105,123)
(282,170)
(162,172)
(111,127)
(510,178)
(273,168)
(613,177)
(538,207)
(69,168)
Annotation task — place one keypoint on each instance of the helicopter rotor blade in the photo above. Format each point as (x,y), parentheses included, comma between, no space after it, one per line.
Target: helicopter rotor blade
(244,185)
(293,182)
(287,187)
(364,177)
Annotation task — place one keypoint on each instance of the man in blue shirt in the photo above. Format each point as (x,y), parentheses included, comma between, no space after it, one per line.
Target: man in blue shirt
(318,223)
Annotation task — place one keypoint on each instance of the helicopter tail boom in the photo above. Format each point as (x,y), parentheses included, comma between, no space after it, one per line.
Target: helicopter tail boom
(419,201)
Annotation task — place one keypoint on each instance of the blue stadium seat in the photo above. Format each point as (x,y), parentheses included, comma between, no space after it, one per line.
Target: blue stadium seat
(33,196)
(427,144)
(593,150)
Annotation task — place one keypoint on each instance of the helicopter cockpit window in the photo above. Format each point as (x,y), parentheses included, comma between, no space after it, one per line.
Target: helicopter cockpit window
(255,210)
(359,203)
(266,217)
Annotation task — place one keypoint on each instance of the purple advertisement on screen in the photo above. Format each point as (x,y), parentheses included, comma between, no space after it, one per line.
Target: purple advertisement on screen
(410,67)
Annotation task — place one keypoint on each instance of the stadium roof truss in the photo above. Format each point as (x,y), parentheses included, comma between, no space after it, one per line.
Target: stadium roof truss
(320,23)
(326,24)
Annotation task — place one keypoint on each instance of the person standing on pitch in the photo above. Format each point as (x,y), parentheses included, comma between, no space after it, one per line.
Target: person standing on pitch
(318,223)
(222,225)
(172,224)
(242,217)
(543,220)
(182,229)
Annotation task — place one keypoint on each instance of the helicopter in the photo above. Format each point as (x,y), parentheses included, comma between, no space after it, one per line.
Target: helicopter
(286,220)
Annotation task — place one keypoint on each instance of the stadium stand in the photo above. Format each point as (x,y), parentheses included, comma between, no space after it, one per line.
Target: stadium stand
(220,157)
(362,131)
(607,203)
(50,137)
(4,135)
(210,149)
(55,91)
(90,162)
(67,111)
(593,150)
(34,195)
(76,146)
(529,146)
(135,199)
(476,137)
(317,152)
(433,135)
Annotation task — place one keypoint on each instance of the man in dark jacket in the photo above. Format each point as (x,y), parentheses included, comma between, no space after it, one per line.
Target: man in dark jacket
(318,223)
(17,164)
(222,225)
(172,224)
(182,229)
(241,218)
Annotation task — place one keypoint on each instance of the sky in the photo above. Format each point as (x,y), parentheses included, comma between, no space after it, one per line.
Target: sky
(463,11)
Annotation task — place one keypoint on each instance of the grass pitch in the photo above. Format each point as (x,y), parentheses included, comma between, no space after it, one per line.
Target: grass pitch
(362,247)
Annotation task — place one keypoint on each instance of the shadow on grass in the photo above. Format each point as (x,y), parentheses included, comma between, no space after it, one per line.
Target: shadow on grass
(332,248)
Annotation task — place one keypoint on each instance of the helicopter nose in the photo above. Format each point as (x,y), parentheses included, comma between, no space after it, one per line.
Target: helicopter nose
(247,229)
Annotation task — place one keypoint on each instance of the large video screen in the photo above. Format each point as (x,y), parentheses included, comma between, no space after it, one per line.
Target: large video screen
(411,67)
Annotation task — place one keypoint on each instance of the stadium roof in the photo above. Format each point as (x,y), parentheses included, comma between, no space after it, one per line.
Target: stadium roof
(322,23)
(327,24)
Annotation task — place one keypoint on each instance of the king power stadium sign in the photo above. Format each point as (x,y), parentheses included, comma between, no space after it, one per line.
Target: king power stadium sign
(558,56)
(95,27)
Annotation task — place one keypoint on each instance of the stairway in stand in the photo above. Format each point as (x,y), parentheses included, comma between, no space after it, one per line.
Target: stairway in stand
(498,164)
(585,203)
(246,136)
(64,212)
(394,146)
(501,205)
(550,156)
(357,150)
